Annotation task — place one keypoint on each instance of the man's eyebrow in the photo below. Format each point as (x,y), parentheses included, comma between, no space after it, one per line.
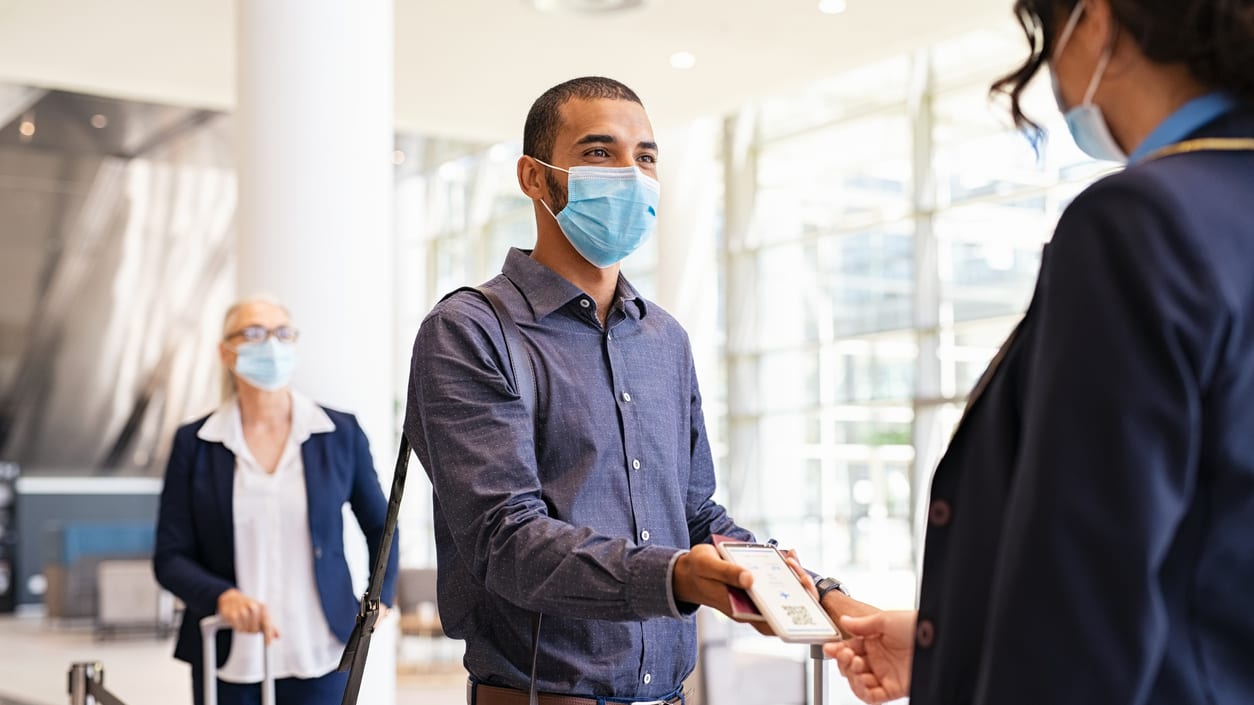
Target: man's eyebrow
(609,139)
(596,139)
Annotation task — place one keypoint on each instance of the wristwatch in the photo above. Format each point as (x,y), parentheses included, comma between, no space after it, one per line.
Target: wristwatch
(826,585)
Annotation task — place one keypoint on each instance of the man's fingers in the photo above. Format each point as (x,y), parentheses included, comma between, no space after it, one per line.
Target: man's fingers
(802,576)
(710,565)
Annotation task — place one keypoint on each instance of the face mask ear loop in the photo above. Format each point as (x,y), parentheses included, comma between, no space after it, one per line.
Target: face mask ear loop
(1068,30)
(1097,75)
(546,206)
(558,168)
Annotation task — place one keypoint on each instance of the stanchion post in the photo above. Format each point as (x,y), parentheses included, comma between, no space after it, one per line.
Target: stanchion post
(819,693)
(81,675)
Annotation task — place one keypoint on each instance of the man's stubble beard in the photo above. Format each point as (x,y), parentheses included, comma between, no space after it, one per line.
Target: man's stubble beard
(557,192)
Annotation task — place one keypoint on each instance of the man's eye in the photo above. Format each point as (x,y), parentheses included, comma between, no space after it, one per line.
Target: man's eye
(598,152)
(647,158)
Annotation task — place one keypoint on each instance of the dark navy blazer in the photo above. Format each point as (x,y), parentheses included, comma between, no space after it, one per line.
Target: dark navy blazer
(195,547)
(1091,528)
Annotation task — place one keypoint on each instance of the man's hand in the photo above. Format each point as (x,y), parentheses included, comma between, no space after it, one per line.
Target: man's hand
(701,576)
(246,615)
(876,659)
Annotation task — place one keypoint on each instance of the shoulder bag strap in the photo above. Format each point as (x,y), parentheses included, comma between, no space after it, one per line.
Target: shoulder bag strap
(358,646)
(520,363)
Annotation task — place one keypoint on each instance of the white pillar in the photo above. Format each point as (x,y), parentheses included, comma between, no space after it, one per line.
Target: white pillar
(314,114)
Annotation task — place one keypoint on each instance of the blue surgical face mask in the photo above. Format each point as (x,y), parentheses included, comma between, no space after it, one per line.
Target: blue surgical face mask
(266,365)
(1085,121)
(609,213)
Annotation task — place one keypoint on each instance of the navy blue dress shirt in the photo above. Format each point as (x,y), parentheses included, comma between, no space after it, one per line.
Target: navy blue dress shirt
(578,510)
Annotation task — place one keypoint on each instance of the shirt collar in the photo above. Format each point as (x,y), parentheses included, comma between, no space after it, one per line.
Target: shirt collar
(1189,118)
(547,291)
(224,425)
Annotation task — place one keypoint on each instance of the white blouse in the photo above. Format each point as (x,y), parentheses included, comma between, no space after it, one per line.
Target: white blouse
(273,550)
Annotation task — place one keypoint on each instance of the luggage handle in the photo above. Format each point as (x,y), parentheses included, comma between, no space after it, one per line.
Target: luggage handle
(209,628)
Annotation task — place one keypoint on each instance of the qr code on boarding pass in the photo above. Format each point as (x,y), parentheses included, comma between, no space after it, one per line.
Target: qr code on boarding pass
(799,616)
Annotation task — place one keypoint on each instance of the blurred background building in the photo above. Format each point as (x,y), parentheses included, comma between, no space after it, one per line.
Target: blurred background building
(849,229)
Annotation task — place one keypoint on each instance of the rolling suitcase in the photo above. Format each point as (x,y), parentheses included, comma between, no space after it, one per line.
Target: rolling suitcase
(209,628)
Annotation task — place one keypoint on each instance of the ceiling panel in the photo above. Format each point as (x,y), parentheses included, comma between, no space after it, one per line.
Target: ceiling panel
(470,68)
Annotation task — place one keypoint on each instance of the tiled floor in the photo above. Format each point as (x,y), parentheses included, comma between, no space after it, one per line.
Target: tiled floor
(35,659)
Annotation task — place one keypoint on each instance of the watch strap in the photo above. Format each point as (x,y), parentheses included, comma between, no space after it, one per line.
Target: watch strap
(829,584)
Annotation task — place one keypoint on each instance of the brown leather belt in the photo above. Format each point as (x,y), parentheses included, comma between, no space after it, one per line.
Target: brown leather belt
(481,694)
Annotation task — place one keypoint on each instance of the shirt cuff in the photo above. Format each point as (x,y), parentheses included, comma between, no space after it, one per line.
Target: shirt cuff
(678,609)
(651,591)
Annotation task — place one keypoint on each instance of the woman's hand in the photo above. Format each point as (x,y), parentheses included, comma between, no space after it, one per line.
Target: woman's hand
(246,615)
(876,659)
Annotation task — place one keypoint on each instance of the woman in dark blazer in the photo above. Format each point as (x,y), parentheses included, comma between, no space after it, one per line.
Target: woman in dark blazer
(1091,528)
(250,524)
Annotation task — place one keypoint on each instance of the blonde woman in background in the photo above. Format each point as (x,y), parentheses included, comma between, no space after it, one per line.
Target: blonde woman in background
(250,524)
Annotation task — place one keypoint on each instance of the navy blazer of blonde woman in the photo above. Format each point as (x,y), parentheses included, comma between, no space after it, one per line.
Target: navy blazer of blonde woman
(195,547)
(1091,529)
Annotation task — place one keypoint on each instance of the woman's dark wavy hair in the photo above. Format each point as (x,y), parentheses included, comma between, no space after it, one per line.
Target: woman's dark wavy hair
(1214,39)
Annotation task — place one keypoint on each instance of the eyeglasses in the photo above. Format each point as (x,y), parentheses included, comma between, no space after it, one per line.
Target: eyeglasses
(260,334)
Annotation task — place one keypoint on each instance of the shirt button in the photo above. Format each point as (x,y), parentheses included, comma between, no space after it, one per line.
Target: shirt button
(585,303)
(925,633)
(626,396)
(940,512)
(317,552)
(644,535)
(648,678)
(635,464)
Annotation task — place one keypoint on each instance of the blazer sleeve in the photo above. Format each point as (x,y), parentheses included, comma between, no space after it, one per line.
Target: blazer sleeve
(1127,322)
(370,507)
(176,557)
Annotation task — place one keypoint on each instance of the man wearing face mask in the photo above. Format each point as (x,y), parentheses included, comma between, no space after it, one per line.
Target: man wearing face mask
(250,524)
(1090,526)
(589,515)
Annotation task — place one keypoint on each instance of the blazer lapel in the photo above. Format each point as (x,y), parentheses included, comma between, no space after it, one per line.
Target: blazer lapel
(313,453)
(987,377)
(982,385)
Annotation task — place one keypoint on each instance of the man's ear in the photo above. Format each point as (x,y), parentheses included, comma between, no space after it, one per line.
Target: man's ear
(531,178)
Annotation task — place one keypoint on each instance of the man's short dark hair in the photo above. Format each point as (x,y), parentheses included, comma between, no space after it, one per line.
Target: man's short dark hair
(545,119)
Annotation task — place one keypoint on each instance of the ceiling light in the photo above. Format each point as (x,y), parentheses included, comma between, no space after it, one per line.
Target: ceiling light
(398,157)
(683,60)
(27,128)
(833,7)
(585,6)
(99,121)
